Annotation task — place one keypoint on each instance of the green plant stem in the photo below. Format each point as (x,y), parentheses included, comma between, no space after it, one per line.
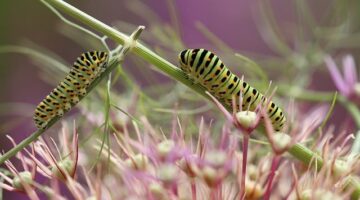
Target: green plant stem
(306,156)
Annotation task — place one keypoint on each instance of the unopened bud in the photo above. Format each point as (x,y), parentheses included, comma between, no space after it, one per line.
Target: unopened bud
(216,158)
(157,190)
(189,166)
(341,167)
(138,162)
(319,194)
(253,190)
(23,177)
(64,166)
(209,175)
(168,173)
(281,140)
(246,118)
(165,147)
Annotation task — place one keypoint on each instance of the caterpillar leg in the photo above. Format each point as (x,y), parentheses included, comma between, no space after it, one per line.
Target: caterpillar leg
(42,119)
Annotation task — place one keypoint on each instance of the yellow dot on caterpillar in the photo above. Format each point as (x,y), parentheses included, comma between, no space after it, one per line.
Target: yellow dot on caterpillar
(246,118)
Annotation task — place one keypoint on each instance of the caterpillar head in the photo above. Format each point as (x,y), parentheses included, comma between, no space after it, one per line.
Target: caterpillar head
(103,57)
(184,60)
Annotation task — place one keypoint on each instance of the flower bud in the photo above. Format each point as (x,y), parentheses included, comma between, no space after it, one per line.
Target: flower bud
(210,175)
(341,167)
(67,165)
(281,140)
(252,172)
(137,162)
(189,166)
(165,147)
(318,194)
(158,191)
(253,190)
(246,118)
(216,158)
(168,173)
(23,177)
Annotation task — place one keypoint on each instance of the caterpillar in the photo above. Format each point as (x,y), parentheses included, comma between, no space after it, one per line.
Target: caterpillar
(85,69)
(206,68)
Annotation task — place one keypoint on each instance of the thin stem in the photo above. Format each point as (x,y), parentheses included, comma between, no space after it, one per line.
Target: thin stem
(245,147)
(193,189)
(70,23)
(331,109)
(274,165)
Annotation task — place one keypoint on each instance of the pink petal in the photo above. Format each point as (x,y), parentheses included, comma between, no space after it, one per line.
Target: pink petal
(336,76)
(221,107)
(349,70)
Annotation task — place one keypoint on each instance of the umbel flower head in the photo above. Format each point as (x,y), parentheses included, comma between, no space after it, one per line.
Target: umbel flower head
(348,83)
(65,165)
(20,180)
(42,161)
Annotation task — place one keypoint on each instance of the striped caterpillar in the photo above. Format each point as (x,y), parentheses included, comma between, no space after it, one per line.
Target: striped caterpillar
(207,69)
(85,69)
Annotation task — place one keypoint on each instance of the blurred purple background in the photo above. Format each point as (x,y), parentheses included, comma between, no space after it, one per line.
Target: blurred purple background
(233,21)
